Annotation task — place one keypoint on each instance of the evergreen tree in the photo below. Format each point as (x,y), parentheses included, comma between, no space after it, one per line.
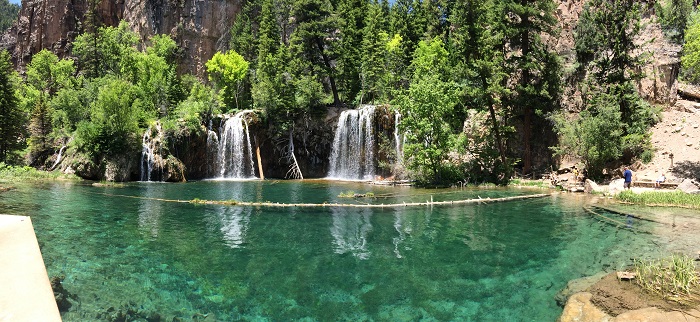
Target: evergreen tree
(373,58)
(8,14)
(12,120)
(605,45)
(46,76)
(351,14)
(534,69)
(477,42)
(313,41)
(674,17)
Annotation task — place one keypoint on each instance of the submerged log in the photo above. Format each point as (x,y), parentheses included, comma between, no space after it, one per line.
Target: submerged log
(337,205)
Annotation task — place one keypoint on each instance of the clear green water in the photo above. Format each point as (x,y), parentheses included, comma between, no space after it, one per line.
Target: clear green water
(494,262)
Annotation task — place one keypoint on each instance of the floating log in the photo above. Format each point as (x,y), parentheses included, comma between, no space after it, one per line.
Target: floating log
(335,205)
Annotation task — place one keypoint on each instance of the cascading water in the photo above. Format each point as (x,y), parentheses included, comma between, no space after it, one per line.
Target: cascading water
(235,155)
(399,138)
(212,155)
(148,154)
(352,155)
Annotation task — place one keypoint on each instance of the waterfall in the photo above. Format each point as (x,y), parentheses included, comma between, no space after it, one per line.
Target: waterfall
(235,155)
(352,155)
(148,156)
(212,153)
(399,138)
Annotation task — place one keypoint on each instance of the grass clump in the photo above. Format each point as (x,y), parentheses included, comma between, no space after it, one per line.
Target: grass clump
(18,173)
(352,194)
(674,278)
(658,198)
(529,183)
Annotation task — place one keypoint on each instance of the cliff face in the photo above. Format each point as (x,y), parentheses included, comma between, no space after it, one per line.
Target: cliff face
(200,27)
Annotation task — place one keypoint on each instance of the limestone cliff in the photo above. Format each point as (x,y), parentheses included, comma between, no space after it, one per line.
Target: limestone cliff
(200,27)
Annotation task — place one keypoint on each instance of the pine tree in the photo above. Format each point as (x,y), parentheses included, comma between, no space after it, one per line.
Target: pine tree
(533,67)
(313,41)
(478,56)
(351,15)
(12,120)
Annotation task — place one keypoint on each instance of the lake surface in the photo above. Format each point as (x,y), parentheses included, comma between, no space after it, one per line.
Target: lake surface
(148,258)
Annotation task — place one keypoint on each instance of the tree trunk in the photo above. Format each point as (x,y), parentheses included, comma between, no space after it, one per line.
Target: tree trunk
(327,62)
(524,83)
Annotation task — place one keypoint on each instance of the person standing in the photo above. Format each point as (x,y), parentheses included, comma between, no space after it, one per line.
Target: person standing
(628,178)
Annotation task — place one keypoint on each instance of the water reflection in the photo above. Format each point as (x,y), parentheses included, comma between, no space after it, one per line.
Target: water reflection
(350,229)
(403,227)
(234,225)
(150,210)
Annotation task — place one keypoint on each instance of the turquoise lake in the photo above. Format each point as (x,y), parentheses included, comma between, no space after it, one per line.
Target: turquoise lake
(479,262)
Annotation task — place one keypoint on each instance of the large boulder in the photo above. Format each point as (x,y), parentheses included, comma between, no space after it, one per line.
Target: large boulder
(174,170)
(616,186)
(120,169)
(580,309)
(576,286)
(590,186)
(688,186)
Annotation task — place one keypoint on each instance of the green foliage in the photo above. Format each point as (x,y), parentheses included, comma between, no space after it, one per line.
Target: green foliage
(12,120)
(188,115)
(690,60)
(46,77)
(617,120)
(108,50)
(24,173)
(674,16)
(595,137)
(8,15)
(661,198)
(604,37)
(227,71)
(428,108)
(114,120)
(674,278)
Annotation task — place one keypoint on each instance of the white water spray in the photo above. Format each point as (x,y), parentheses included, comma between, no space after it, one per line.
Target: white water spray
(235,155)
(352,156)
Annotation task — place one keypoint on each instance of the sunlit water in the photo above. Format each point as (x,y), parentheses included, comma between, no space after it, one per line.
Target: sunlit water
(490,262)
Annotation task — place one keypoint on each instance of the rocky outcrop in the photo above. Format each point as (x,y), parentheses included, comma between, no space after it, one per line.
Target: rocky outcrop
(688,186)
(53,25)
(659,84)
(199,27)
(579,308)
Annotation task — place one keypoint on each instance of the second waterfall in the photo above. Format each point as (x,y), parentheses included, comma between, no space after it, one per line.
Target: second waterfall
(235,154)
(353,153)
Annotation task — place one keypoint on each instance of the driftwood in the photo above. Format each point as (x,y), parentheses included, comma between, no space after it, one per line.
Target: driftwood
(336,205)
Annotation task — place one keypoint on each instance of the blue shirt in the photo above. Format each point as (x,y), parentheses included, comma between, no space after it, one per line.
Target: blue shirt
(628,175)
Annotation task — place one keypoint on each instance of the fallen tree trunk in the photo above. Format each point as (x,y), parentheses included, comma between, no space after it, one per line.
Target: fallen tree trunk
(336,205)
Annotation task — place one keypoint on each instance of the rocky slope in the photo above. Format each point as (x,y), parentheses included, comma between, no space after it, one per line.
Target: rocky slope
(200,27)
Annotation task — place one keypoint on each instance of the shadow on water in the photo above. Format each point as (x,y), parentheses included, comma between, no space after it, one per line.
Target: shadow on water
(687,169)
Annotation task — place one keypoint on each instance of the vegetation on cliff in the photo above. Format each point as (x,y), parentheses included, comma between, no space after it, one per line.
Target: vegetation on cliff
(8,14)
(477,86)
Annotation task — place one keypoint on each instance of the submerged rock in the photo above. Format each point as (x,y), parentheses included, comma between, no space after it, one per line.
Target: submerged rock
(576,286)
(61,294)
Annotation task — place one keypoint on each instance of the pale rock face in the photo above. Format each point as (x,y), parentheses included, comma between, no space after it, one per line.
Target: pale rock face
(199,27)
